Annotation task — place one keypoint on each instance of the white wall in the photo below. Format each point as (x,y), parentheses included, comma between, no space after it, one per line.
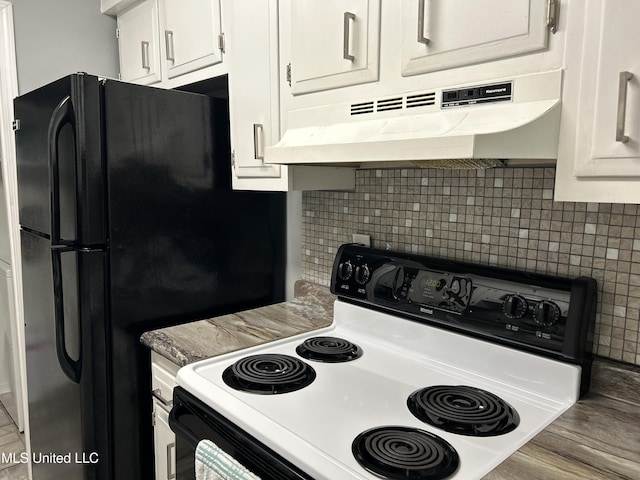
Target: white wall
(8,90)
(5,248)
(57,37)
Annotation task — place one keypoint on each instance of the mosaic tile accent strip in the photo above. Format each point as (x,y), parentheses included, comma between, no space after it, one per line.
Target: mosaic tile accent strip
(504,217)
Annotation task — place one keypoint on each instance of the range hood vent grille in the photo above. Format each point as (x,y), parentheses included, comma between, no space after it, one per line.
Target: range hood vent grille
(396,103)
(360,108)
(390,104)
(421,100)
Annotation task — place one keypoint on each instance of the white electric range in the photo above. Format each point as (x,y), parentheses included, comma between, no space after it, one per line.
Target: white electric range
(431,369)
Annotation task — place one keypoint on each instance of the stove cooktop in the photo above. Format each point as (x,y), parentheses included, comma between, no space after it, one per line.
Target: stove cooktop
(315,427)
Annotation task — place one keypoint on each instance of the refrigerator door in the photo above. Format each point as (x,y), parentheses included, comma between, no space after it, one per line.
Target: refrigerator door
(64,383)
(59,167)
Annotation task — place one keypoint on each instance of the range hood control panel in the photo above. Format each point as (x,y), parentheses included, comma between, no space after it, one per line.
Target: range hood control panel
(476,95)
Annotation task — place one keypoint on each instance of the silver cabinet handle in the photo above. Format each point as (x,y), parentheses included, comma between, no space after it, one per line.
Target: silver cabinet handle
(145,55)
(622,106)
(346,34)
(170,470)
(168,42)
(158,394)
(553,11)
(421,37)
(258,141)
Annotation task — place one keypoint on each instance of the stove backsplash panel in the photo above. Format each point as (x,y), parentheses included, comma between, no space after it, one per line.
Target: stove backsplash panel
(504,217)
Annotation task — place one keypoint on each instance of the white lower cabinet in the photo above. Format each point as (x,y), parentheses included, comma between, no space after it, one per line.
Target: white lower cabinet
(164,443)
(163,379)
(599,150)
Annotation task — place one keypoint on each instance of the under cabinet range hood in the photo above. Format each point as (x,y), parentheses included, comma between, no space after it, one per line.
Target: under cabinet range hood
(509,118)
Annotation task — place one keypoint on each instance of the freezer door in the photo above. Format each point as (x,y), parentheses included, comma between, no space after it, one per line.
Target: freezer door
(183,245)
(59,161)
(65,345)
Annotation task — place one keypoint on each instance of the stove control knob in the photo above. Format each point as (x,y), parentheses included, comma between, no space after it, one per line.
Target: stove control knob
(345,270)
(546,313)
(515,306)
(362,274)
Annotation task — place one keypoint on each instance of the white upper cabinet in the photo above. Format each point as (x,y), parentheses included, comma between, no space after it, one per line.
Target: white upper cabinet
(599,155)
(139,45)
(253,86)
(167,42)
(254,106)
(609,118)
(442,34)
(192,34)
(334,43)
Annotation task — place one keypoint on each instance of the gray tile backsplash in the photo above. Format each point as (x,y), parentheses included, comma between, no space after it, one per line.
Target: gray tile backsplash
(502,216)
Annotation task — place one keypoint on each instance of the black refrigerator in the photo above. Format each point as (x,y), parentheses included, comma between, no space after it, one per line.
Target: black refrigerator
(128,224)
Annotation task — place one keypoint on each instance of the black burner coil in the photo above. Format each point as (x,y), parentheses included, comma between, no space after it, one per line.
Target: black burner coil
(329,350)
(405,453)
(269,374)
(463,410)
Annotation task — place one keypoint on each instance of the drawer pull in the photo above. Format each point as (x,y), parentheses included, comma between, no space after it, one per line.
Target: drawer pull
(171,471)
(158,394)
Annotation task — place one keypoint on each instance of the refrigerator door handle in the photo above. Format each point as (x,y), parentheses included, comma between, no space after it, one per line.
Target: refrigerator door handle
(71,368)
(62,115)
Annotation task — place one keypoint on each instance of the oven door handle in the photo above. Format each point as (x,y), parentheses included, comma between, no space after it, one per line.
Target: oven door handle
(192,420)
(178,410)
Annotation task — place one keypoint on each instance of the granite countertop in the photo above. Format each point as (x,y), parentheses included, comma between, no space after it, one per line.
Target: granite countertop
(311,309)
(596,439)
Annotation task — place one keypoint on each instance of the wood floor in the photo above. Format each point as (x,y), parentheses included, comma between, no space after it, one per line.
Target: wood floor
(11,442)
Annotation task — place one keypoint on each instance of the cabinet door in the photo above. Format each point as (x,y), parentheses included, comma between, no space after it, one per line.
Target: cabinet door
(253,85)
(608,133)
(164,444)
(334,43)
(191,32)
(441,34)
(138,43)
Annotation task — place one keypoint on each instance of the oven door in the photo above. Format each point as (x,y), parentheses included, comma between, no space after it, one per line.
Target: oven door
(192,420)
